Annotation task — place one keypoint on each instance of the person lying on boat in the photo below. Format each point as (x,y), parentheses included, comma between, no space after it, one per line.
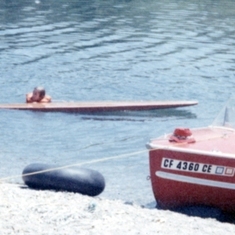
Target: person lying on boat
(38,95)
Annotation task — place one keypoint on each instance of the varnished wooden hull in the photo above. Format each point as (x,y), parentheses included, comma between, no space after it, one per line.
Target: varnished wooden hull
(98,106)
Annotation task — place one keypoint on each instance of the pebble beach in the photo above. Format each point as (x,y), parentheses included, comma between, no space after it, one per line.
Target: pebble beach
(27,211)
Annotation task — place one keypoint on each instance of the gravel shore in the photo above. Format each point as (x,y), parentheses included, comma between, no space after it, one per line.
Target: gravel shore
(26,211)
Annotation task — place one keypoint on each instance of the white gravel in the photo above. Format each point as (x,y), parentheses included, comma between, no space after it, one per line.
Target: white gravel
(26,211)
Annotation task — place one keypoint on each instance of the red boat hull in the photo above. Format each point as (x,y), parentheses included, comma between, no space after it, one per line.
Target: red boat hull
(183,176)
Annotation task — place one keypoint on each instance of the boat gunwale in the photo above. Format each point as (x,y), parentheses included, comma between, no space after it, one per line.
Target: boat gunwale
(178,148)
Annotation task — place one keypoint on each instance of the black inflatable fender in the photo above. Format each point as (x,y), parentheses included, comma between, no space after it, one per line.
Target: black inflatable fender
(74,179)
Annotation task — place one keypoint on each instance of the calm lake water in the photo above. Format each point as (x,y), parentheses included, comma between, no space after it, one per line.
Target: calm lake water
(110,50)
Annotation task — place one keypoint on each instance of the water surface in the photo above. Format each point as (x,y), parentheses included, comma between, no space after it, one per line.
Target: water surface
(110,50)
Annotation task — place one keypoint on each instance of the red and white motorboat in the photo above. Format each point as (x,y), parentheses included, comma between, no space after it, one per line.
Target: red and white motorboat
(196,166)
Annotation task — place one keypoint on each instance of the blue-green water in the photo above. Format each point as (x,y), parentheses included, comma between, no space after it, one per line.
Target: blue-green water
(110,50)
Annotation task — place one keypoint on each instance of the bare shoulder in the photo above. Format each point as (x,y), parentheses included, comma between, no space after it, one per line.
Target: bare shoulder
(46,99)
(28,97)
(29,94)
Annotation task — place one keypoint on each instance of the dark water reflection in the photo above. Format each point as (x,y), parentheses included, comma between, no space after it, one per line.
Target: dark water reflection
(110,50)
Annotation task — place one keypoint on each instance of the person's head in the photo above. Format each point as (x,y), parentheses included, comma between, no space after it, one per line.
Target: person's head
(38,93)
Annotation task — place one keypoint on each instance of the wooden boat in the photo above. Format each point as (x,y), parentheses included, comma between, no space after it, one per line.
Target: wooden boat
(90,107)
(197,166)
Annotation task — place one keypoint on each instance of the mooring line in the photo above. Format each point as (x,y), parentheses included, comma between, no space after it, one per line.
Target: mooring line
(76,164)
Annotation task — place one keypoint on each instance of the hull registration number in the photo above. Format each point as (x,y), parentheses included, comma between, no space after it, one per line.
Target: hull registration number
(196,167)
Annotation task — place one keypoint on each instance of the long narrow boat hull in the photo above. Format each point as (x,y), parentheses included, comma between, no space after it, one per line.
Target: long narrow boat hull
(102,106)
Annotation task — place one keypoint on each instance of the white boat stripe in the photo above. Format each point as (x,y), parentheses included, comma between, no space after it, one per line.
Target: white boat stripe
(194,180)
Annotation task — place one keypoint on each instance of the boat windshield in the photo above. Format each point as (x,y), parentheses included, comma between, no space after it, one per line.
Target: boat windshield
(226,117)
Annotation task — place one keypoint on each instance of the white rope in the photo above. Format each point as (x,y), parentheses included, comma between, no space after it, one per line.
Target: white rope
(76,164)
(99,160)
